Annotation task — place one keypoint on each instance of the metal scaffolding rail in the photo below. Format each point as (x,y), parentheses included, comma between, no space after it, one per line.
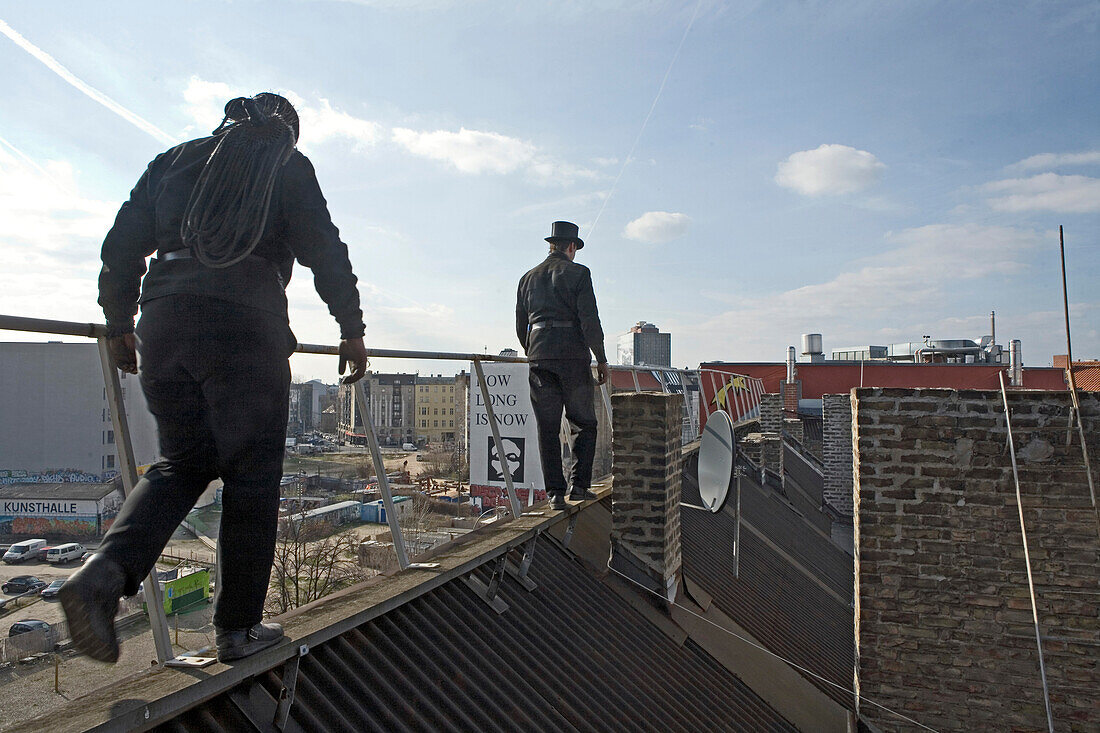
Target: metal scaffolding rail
(741,401)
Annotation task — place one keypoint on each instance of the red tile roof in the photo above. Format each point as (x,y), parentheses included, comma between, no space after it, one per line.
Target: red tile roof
(1087,375)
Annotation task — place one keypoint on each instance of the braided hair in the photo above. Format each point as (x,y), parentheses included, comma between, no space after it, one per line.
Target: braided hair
(229,204)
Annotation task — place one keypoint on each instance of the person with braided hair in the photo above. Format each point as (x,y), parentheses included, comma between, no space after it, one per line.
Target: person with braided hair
(226,215)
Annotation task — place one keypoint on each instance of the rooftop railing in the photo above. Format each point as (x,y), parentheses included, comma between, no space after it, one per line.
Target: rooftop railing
(735,394)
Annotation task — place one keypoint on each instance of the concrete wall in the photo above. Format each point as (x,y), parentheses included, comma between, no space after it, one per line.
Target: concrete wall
(836,449)
(54,416)
(943,618)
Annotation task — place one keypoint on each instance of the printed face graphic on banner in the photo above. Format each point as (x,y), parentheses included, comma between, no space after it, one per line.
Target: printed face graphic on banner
(513,455)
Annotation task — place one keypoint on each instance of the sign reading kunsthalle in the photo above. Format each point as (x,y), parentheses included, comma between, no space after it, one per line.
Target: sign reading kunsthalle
(16,507)
(511,401)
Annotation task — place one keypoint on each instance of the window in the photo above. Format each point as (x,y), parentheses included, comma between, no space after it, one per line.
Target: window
(451,424)
(110,461)
(435,411)
(110,437)
(436,424)
(452,410)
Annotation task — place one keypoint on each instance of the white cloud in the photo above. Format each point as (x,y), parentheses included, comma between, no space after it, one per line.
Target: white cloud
(1046,192)
(39,204)
(548,171)
(205,101)
(1057,160)
(50,238)
(900,292)
(323,123)
(320,122)
(829,170)
(561,207)
(477,151)
(469,151)
(657,227)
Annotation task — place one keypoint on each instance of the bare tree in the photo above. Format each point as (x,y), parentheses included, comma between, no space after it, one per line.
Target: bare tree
(445,465)
(311,562)
(418,521)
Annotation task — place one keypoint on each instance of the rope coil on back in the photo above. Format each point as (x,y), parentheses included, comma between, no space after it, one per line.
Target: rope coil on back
(229,204)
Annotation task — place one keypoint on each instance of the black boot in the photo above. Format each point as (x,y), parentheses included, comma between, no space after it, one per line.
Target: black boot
(557,500)
(581,494)
(90,601)
(240,643)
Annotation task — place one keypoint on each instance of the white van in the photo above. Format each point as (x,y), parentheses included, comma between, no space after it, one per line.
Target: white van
(25,550)
(65,553)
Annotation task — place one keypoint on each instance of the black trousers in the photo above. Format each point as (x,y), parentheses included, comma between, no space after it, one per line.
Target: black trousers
(558,383)
(216,377)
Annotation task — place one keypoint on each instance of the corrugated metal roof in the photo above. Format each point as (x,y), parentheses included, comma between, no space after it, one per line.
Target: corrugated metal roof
(570,655)
(68,490)
(781,594)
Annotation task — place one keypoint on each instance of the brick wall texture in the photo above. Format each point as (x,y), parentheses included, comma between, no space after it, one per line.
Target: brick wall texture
(793,428)
(645,501)
(836,451)
(944,628)
(771,413)
(792,393)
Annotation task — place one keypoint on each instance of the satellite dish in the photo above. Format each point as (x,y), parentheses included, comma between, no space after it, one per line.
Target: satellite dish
(716,461)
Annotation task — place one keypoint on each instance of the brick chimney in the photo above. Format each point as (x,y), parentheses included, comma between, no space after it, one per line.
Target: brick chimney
(645,503)
(791,387)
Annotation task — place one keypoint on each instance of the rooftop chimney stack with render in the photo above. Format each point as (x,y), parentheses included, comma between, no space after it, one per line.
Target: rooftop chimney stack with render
(645,503)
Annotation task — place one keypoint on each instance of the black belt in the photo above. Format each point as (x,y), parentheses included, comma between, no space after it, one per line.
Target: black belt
(552,324)
(186,254)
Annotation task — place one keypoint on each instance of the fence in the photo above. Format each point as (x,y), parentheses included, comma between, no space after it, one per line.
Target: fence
(32,643)
(738,395)
(705,391)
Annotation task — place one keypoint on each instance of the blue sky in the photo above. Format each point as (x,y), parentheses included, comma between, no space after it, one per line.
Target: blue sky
(871,171)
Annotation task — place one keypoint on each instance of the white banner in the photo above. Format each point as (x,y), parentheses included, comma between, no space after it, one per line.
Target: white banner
(60,508)
(511,400)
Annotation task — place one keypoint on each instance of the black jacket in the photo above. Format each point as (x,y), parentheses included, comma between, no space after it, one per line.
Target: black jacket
(298,227)
(559,291)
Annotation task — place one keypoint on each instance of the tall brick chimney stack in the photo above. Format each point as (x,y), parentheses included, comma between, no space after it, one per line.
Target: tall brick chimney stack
(791,387)
(645,503)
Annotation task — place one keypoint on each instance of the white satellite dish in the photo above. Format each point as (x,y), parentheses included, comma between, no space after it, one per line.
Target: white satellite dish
(716,461)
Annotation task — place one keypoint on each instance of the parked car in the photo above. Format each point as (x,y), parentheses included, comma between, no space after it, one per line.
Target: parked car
(49,634)
(22,584)
(84,558)
(50,591)
(28,625)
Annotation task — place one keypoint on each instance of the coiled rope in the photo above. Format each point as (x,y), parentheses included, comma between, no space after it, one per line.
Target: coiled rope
(230,202)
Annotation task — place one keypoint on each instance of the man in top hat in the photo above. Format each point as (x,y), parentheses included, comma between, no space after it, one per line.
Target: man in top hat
(559,326)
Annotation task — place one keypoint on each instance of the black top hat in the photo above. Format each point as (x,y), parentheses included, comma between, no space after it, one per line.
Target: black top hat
(565,231)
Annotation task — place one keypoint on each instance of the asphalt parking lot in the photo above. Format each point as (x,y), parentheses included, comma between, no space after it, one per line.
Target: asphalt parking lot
(48,610)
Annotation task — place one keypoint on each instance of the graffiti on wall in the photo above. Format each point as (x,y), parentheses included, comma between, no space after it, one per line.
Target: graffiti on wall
(82,526)
(488,497)
(61,476)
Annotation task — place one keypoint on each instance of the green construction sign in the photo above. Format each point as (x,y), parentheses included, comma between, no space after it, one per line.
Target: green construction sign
(183,593)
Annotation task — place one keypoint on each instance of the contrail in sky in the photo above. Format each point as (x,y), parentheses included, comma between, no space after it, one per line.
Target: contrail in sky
(56,67)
